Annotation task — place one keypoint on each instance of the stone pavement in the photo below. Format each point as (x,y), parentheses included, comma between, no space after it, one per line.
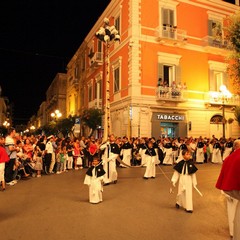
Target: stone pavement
(56,207)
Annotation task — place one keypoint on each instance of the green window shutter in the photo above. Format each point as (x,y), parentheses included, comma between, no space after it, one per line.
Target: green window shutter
(160,70)
(211,80)
(210,22)
(178,74)
(171,18)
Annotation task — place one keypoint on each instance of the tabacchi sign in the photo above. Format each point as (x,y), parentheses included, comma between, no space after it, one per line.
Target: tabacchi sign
(170,117)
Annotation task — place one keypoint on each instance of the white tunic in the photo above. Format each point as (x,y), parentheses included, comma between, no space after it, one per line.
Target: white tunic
(109,164)
(95,187)
(186,183)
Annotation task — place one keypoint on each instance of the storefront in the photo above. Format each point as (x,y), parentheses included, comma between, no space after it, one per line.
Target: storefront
(169,125)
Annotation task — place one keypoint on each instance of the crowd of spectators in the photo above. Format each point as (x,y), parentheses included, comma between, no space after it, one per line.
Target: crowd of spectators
(34,156)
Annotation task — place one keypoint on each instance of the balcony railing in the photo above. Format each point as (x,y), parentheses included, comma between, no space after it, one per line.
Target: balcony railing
(171,33)
(183,95)
(96,103)
(216,42)
(167,93)
(217,99)
(97,59)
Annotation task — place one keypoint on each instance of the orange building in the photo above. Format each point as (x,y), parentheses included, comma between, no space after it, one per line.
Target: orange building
(163,78)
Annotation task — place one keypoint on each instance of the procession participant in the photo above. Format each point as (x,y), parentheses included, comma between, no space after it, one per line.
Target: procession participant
(155,146)
(126,152)
(185,173)
(150,153)
(200,151)
(229,182)
(94,180)
(168,158)
(182,146)
(228,148)
(110,154)
(142,148)
(216,154)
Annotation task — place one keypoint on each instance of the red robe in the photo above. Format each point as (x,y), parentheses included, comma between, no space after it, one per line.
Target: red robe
(3,155)
(229,178)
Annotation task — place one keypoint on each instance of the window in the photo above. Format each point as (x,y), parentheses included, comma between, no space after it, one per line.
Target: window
(98,90)
(169,68)
(116,76)
(117,24)
(168,26)
(168,74)
(218,75)
(99,53)
(90,93)
(76,71)
(215,30)
(116,71)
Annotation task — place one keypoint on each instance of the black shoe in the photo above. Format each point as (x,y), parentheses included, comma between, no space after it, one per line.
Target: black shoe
(177,205)
(105,184)
(145,178)
(115,181)
(188,211)
(152,177)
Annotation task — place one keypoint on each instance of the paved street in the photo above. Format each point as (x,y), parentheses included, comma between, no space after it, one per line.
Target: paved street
(56,207)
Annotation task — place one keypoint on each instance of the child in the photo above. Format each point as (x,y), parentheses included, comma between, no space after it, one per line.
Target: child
(37,157)
(150,158)
(94,179)
(185,172)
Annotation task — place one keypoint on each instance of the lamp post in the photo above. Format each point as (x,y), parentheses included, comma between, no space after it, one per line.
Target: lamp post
(6,124)
(56,115)
(107,34)
(225,96)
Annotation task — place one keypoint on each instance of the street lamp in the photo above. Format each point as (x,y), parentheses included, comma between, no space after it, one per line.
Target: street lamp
(32,128)
(225,95)
(6,124)
(107,34)
(56,114)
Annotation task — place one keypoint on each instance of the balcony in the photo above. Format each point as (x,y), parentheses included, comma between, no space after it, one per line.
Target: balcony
(169,94)
(216,44)
(96,103)
(96,60)
(214,98)
(171,35)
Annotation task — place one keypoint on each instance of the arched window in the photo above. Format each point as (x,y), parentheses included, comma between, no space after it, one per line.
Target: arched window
(216,119)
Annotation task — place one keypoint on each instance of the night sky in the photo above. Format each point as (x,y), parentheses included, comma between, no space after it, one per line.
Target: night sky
(37,39)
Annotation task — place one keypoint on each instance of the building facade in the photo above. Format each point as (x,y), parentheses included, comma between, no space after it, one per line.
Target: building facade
(55,98)
(164,75)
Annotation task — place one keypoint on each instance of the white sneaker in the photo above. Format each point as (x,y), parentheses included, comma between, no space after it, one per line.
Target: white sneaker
(11,183)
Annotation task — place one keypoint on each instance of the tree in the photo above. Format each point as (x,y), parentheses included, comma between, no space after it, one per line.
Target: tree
(60,127)
(232,35)
(92,118)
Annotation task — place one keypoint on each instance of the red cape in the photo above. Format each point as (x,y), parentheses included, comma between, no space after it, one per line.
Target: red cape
(3,155)
(229,178)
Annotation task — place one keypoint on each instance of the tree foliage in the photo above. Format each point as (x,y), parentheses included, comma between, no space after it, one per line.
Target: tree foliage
(61,127)
(232,35)
(92,118)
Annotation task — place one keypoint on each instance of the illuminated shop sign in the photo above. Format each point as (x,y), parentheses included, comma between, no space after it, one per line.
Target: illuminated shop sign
(171,117)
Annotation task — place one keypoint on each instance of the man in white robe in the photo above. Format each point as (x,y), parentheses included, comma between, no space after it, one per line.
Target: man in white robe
(110,154)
